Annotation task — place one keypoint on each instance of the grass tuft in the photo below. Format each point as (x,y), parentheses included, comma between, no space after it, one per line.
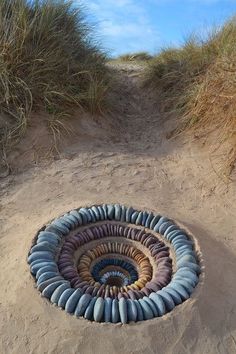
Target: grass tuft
(199,80)
(139,56)
(49,62)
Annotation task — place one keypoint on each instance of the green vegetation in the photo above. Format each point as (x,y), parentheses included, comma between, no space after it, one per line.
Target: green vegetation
(199,80)
(139,56)
(48,62)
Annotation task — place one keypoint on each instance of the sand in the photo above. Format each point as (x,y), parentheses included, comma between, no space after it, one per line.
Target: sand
(130,162)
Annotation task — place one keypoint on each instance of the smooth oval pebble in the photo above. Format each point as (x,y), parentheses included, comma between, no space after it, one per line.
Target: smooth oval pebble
(45,283)
(158,301)
(132,311)
(174,294)
(47,268)
(40,255)
(98,309)
(147,311)
(82,304)
(123,310)
(151,304)
(48,291)
(180,290)
(108,309)
(115,311)
(89,311)
(58,292)
(47,275)
(64,297)
(72,301)
(169,303)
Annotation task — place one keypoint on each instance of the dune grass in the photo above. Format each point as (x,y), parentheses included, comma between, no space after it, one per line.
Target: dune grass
(48,62)
(199,81)
(138,56)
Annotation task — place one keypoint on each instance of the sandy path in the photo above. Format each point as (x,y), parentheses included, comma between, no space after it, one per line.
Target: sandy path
(136,166)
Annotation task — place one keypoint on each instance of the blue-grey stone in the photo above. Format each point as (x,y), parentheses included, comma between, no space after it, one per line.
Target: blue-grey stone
(132,311)
(86,217)
(92,214)
(67,223)
(123,214)
(152,305)
(47,275)
(188,258)
(194,266)
(167,299)
(48,268)
(44,246)
(144,218)
(101,213)
(139,218)
(186,284)
(123,310)
(110,211)
(184,253)
(139,311)
(179,244)
(60,226)
(49,237)
(34,268)
(64,297)
(40,255)
(149,220)
(48,291)
(89,311)
(154,221)
(108,309)
(183,248)
(58,292)
(185,273)
(98,309)
(174,294)
(147,311)
(129,212)
(104,208)
(180,289)
(117,212)
(77,215)
(54,230)
(96,212)
(179,238)
(71,218)
(134,216)
(158,301)
(172,227)
(164,226)
(47,282)
(172,234)
(161,221)
(115,311)
(177,234)
(82,304)
(73,301)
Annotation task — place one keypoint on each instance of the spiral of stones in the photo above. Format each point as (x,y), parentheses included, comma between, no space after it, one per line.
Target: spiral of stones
(111,263)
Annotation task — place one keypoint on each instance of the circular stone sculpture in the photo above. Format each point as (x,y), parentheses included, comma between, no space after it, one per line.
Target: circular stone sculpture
(111,263)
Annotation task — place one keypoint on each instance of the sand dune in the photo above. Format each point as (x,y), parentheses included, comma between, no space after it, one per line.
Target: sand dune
(132,163)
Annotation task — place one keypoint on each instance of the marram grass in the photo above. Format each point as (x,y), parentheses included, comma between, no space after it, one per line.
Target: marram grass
(198,80)
(48,61)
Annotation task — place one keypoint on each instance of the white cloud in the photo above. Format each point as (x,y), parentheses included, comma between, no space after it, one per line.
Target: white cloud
(124,24)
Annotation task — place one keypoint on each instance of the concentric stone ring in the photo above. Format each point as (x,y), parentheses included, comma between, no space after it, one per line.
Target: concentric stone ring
(115,264)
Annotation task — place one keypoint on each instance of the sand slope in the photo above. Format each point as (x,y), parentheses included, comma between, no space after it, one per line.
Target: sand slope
(133,164)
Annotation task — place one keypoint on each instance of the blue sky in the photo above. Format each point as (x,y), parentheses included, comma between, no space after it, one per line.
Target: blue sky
(135,25)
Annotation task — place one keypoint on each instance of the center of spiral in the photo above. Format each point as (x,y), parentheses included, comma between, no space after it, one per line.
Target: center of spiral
(115,281)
